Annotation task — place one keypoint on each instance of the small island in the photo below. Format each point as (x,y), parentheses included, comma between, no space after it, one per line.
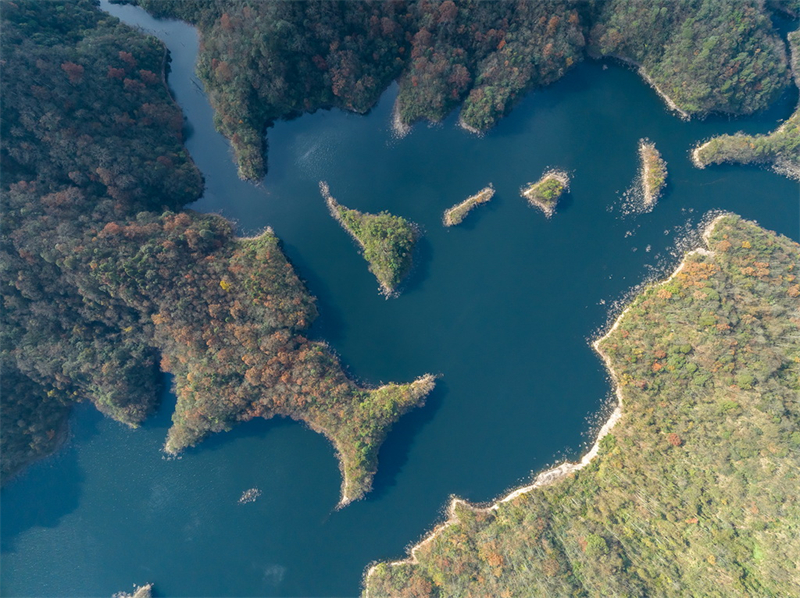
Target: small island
(387,241)
(458,212)
(653,173)
(249,495)
(545,193)
(145,591)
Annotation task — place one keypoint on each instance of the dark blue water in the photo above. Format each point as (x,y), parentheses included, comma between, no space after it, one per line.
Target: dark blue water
(502,306)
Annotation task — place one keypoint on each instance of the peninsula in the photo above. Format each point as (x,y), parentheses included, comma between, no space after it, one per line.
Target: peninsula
(114,281)
(386,241)
(653,173)
(458,212)
(779,149)
(692,485)
(545,193)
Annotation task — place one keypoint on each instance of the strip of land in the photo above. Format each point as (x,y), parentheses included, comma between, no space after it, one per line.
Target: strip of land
(653,173)
(458,212)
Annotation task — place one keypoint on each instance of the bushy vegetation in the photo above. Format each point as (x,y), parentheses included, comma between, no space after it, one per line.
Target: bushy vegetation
(387,241)
(695,491)
(545,193)
(706,55)
(88,134)
(653,172)
(458,212)
(262,61)
(780,149)
(104,280)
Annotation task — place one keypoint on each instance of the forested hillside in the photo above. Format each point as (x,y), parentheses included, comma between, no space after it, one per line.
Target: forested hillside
(262,61)
(779,149)
(106,279)
(695,491)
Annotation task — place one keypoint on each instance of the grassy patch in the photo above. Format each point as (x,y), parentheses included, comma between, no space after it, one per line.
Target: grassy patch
(545,193)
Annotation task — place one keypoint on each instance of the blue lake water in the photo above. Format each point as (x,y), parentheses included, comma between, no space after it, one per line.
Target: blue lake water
(502,306)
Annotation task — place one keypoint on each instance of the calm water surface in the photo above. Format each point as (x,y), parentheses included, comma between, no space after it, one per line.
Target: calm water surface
(502,306)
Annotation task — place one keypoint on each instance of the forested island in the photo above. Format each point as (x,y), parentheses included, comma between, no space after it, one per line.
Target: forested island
(653,172)
(265,61)
(456,214)
(545,193)
(109,280)
(386,241)
(694,490)
(779,149)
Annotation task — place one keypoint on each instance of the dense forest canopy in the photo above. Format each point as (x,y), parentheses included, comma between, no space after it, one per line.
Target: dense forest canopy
(262,61)
(779,149)
(695,490)
(106,279)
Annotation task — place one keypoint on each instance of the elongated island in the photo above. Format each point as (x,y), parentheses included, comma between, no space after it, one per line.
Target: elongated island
(545,193)
(458,212)
(653,173)
(691,488)
(386,241)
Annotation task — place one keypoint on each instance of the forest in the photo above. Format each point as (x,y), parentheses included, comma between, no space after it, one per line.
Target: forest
(110,281)
(265,61)
(387,241)
(779,149)
(695,490)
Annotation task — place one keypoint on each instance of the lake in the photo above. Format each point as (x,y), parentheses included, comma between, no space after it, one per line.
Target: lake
(502,306)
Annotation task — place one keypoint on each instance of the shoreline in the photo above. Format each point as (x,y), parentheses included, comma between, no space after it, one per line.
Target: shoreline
(557,473)
(682,114)
(695,155)
(463,125)
(399,128)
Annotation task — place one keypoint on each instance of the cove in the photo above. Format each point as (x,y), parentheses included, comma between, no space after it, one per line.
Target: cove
(502,306)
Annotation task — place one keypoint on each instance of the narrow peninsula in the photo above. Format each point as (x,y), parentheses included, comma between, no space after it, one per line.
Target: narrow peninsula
(545,193)
(779,149)
(387,241)
(694,490)
(653,173)
(458,212)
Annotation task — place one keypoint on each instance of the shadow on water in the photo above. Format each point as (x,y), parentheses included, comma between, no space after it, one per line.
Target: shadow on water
(423,254)
(62,471)
(255,428)
(329,324)
(393,454)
